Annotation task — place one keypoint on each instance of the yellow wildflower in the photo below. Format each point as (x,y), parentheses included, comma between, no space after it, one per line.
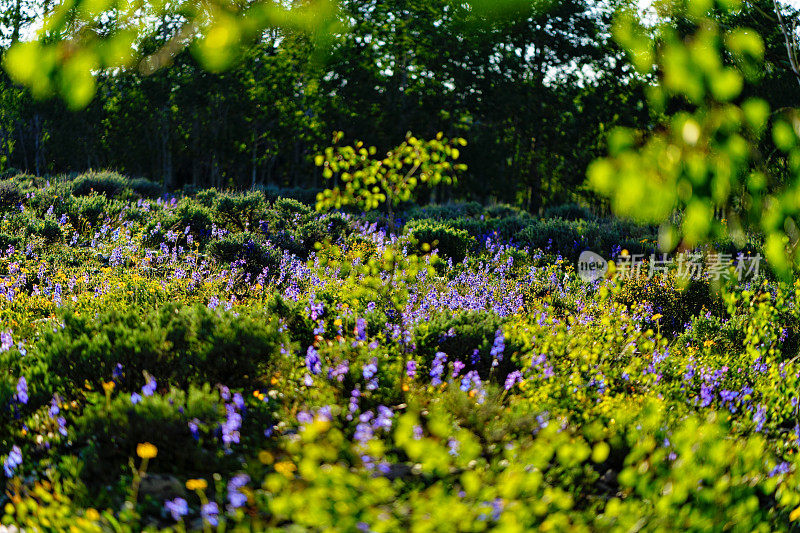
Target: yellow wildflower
(196,484)
(146,450)
(285,468)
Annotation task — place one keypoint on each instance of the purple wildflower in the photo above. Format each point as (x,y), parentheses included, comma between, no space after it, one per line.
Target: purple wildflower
(437,368)
(13,460)
(22,390)
(150,387)
(512,379)
(411,369)
(210,513)
(177,508)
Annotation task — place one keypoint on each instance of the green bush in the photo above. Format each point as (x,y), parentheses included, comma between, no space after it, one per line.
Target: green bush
(503,211)
(246,247)
(179,345)
(106,183)
(11,195)
(48,229)
(145,188)
(57,195)
(187,213)
(444,211)
(239,211)
(93,208)
(571,237)
(568,212)
(474,226)
(296,228)
(450,242)
(509,229)
(459,335)
(664,295)
(7,240)
(565,236)
(207,197)
(288,208)
(107,432)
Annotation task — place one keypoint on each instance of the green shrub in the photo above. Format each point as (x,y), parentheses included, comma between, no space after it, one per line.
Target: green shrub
(145,188)
(459,335)
(48,229)
(107,433)
(504,211)
(7,240)
(136,214)
(475,227)
(296,228)
(444,211)
(207,197)
(57,195)
(571,237)
(565,236)
(92,208)
(239,211)
(177,344)
(677,304)
(106,183)
(727,334)
(11,195)
(287,208)
(450,242)
(315,231)
(246,247)
(187,213)
(510,228)
(568,212)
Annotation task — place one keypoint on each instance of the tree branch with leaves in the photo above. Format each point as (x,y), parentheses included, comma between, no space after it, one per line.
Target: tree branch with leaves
(367,181)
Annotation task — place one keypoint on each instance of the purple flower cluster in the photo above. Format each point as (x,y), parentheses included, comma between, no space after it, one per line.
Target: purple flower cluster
(313,362)
(370,372)
(177,508)
(498,347)
(512,379)
(411,369)
(22,391)
(236,498)
(13,460)
(437,368)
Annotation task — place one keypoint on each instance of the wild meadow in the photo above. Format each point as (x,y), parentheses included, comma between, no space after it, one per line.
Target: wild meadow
(399,265)
(224,361)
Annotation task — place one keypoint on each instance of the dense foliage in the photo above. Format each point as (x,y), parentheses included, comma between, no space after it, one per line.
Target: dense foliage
(180,355)
(533,120)
(235,360)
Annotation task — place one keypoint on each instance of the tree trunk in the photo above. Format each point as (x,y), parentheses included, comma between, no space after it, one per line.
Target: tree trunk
(254,160)
(195,151)
(16,21)
(166,152)
(38,152)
